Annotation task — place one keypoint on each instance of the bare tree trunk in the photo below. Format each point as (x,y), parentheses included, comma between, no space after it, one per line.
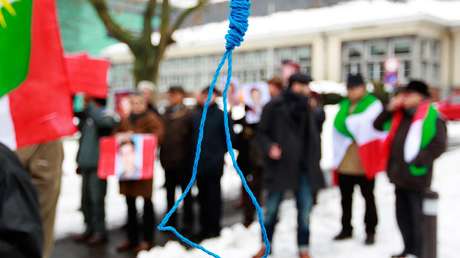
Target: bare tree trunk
(147,57)
(146,64)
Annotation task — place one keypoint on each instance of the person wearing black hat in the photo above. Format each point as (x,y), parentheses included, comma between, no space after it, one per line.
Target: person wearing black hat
(317,181)
(211,164)
(410,159)
(350,169)
(288,138)
(177,152)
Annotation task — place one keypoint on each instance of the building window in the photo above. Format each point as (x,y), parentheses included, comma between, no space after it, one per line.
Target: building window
(402,47)
(121,76)
(378,49)
(301,55)
(248,66)
(368,57)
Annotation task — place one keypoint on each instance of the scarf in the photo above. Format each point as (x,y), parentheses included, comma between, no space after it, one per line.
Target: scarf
(421,133)
(358,126)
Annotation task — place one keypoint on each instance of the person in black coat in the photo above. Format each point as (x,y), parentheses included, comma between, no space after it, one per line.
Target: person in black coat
(318,181)
(177,153)
(21,233)
(288,140)
(211,165)
(410,187)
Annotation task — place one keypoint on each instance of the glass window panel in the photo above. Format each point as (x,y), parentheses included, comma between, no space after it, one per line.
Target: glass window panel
(402,47)
(370,71)
(354,53)
(378,50)
(407,69)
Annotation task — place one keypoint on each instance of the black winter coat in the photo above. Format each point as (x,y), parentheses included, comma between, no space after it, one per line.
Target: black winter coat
(214,145)
(20,224)
(397,168)
(288,121)
(177,146)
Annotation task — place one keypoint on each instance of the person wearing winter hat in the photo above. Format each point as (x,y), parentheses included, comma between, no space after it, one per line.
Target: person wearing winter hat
(417,137)
(211,165)
(147,88)
(351,155)
(176,154)
(286,137)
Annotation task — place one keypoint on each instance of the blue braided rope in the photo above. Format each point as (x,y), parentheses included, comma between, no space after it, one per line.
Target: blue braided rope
(246,187)
(239,15)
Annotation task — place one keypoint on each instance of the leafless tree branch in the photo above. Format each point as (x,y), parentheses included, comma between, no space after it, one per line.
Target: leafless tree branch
(111,25)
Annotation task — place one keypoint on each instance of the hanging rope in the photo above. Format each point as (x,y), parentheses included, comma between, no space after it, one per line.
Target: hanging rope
(239,16)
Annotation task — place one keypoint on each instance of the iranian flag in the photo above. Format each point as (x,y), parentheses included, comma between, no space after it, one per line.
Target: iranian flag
(358,126)
(39,109)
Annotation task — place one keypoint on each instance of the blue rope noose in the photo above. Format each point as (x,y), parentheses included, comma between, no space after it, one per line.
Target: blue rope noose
(239,15)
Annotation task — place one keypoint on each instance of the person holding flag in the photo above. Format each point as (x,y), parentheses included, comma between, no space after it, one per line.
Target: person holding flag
(417,137)
(356,154)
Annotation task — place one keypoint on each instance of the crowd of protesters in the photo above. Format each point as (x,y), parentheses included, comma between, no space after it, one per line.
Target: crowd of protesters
(279,151)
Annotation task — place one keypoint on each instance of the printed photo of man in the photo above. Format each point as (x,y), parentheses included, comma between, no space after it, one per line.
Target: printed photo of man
(129,168)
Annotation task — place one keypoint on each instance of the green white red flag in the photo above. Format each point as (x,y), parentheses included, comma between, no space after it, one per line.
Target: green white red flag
(358,126)
(421,133)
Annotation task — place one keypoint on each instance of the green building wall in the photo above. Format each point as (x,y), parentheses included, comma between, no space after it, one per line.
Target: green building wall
(81,29)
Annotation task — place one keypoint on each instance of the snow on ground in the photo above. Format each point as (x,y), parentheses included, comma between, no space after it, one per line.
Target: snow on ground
(238,242)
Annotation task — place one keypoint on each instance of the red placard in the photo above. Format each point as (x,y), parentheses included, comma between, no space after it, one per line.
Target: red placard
(127,157)
(88,75)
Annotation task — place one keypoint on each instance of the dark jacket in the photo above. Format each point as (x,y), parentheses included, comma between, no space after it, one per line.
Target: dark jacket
(21,233)
(146,123)
(94,124)
(250,157)
(214,144)
(288,121)
(397,168)
(319,117)
(177,146)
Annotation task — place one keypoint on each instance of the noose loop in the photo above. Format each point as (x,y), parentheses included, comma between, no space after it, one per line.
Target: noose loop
(239,16)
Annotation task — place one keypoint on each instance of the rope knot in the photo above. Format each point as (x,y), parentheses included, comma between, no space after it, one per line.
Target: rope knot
(239,23)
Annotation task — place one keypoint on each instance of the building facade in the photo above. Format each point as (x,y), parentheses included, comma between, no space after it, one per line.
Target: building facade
(425,46)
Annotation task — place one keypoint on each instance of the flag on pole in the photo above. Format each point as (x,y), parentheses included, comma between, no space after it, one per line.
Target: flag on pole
(40,109)
(15,43)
